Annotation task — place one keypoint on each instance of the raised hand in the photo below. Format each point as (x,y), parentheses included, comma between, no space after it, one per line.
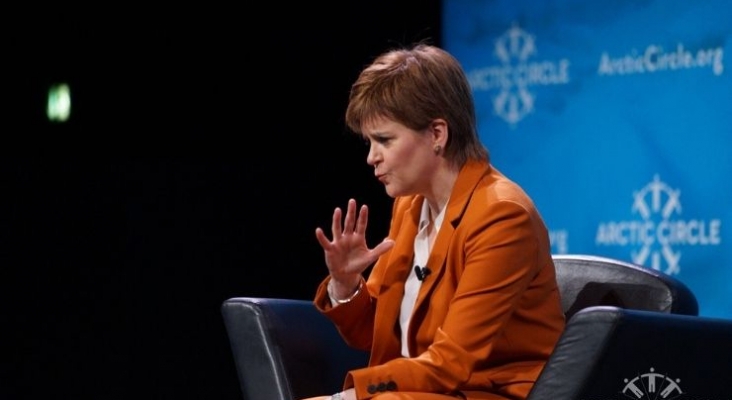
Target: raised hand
(347,255)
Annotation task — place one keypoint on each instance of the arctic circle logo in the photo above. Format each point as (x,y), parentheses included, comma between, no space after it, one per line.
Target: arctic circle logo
(660,231)
(652,385)
(516,74)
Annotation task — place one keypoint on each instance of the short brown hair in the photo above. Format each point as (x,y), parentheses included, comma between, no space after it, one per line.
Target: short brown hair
(415,86)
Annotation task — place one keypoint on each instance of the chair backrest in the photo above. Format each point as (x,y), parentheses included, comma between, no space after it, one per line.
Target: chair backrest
(586,281)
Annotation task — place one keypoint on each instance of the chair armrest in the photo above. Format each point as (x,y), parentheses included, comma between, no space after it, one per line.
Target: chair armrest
(285,349)
(609,352)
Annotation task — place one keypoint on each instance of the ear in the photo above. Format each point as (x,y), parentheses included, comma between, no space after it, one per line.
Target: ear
(438,132)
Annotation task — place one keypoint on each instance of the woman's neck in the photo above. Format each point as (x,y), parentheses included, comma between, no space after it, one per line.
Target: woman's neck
(440,191)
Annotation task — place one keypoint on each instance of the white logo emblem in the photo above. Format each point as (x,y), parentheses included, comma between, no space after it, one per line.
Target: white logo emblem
(516,75)
(651,385)
(660,230)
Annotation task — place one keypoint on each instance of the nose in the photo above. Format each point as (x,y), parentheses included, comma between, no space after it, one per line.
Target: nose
(372,157)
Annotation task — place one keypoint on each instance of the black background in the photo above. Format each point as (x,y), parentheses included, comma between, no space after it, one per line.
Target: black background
(205,145)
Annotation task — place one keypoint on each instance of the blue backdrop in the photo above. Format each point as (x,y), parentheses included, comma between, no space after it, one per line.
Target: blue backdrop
(616,117)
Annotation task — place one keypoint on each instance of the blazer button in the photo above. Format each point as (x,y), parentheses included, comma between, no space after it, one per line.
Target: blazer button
(382,387)
(391,386)
(371,389)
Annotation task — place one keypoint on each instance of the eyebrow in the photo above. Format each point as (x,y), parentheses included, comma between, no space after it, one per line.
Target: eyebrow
(379,134)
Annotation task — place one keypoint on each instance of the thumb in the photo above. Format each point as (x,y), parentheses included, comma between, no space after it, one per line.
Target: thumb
(383,247)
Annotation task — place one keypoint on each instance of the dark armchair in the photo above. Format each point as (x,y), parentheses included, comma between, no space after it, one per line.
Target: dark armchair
(284,349)
(614,353)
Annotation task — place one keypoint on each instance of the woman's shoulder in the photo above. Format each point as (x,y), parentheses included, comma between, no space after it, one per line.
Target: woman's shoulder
(498,186)
(496,192)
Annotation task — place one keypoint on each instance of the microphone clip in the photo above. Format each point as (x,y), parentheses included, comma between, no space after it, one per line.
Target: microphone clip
(421,273)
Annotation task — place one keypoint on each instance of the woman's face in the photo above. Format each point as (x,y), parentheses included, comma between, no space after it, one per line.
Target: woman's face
(403,159)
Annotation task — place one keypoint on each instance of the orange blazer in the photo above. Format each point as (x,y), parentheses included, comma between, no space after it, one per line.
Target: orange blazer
(487,317)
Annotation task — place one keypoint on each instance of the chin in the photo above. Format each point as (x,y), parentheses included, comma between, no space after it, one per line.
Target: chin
(393,191)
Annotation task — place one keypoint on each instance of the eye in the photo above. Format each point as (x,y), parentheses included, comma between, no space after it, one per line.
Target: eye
(383,140)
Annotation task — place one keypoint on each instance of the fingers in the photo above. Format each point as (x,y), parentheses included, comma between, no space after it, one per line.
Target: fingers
(335,226)
(363,219)
(322,239)
(379,250)
(383,247)
(350,221)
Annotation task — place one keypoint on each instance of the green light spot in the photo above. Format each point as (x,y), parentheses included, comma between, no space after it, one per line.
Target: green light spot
(58,108)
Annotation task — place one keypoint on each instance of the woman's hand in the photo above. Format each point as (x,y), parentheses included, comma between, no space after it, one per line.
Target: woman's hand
(347,255)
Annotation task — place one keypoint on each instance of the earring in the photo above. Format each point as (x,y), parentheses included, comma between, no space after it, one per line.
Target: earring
(438,148)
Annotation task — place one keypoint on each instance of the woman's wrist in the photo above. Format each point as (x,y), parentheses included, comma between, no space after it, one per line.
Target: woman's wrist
(338,300)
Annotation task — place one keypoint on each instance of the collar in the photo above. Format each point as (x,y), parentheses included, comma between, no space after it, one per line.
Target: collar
(424,216)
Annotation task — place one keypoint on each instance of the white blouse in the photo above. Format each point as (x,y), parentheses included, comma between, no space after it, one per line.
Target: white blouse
(422,250)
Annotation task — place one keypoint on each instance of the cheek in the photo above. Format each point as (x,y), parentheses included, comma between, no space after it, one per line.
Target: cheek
(397,160)
(402,155)
(408,165)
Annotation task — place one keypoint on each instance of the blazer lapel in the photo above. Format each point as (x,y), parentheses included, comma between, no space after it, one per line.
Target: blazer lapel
(468,178)
(400,260)
(391,291)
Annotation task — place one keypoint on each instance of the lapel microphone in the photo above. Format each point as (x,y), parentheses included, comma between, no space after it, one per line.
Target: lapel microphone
(421,272)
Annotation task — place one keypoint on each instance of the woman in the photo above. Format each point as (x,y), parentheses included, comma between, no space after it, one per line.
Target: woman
(462,301)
